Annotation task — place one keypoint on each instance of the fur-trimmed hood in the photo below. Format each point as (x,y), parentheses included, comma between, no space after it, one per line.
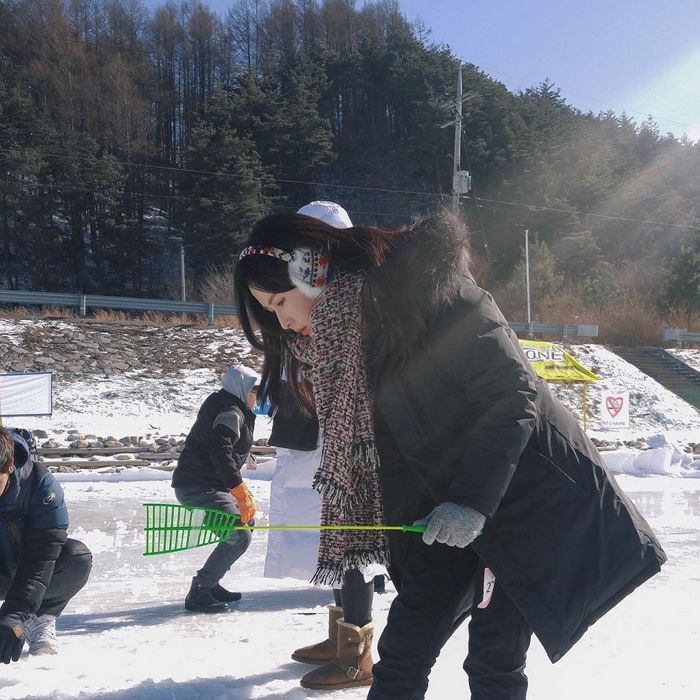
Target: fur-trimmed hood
(439,258)
(424,272)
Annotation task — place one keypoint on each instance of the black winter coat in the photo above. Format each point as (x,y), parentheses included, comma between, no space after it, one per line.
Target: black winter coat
(474,424)
(217,446)
(294,432)
(33,524)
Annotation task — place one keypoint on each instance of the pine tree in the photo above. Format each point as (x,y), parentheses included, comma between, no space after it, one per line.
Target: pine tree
(683,279)
(86,186)
(300,139)
(337,92)
(225,188)
(545,280)
(23,134)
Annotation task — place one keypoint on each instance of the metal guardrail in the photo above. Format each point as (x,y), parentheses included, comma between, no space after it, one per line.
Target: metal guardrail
(561,331)
(680,336)
(86,301)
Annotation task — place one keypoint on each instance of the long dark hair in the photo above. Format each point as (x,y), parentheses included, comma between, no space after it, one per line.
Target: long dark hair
(355,249)
(398,298)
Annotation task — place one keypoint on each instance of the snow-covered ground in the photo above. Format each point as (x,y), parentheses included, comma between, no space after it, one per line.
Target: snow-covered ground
(126,636)
(688,355)
(653,408)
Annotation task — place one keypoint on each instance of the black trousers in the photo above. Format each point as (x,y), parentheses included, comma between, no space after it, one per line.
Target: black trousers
(70,574)
(228,551)
(438,587)
(355,597)
(499,637)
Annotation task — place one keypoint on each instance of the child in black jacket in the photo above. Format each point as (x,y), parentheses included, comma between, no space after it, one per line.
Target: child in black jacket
(208,475)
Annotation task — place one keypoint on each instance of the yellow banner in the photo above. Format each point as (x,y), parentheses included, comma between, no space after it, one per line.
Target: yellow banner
(553,364)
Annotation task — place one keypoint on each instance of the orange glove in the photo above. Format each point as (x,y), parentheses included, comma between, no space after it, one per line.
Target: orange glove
(246,502)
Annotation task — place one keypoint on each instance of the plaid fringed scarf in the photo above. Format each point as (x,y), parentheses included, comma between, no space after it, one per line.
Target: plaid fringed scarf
(347,477)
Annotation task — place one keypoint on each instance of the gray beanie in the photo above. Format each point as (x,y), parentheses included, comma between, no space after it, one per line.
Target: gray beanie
(239,381)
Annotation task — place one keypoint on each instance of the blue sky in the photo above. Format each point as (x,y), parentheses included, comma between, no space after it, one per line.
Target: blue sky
(637,56)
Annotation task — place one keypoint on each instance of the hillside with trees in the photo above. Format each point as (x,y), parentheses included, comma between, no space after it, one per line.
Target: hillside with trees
(125,130)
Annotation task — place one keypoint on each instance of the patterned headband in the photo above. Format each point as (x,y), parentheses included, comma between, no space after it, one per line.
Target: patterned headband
(308,269)
(266,250)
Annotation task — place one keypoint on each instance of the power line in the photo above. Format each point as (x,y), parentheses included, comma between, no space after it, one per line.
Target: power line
(214,200)
(117,191)
(538,207)
(436,195)
(235,176)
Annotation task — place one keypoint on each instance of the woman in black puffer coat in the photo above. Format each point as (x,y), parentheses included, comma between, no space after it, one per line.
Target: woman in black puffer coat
(431,412)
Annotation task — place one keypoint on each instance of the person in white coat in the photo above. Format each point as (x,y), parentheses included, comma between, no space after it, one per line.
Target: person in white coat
(293,501)
(293,553)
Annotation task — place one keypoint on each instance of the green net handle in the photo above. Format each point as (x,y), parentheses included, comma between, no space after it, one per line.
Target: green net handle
(173,527)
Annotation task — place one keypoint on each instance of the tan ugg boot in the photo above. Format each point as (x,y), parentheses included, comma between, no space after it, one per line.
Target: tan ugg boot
(323,651)
(352,666)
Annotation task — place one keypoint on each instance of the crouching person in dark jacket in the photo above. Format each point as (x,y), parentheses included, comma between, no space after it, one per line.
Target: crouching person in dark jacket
(208,475)
(40,569)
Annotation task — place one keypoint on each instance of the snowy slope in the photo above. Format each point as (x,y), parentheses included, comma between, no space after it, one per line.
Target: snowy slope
(154,404)
(126,636)
(690,356)
(653,408)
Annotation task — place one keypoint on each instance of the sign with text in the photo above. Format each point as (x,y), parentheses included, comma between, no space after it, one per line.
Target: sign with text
(614,410)
(553,364)
(25,394)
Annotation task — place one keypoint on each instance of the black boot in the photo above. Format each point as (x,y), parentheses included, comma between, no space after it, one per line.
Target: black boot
(221,594)
(200,599)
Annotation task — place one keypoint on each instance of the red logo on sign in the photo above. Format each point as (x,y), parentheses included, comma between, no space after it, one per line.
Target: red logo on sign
(614,404)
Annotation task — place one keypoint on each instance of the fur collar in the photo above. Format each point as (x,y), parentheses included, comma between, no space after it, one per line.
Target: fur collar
(424,272)
(436,258)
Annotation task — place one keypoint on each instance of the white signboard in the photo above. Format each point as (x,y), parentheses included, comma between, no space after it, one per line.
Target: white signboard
(614,410)
(27,394)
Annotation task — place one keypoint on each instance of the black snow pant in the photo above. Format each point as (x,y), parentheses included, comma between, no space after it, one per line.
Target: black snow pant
(438,587)
(355,597)
(227,552)
(70,574)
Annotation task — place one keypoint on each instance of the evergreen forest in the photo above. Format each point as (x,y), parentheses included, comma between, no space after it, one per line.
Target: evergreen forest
(129,130)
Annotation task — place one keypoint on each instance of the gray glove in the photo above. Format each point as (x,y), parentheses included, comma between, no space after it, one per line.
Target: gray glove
(452,524)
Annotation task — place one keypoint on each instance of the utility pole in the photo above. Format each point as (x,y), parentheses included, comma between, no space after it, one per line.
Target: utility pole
(182,271)
(461,180)
(527,274)
(457,155)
